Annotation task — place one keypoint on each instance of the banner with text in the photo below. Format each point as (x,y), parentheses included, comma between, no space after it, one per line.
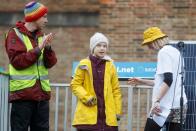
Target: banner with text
(131,69)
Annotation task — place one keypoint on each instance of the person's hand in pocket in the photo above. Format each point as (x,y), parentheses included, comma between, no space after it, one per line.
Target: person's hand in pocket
(92,101)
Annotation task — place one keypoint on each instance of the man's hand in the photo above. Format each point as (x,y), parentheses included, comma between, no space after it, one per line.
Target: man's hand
(47,39)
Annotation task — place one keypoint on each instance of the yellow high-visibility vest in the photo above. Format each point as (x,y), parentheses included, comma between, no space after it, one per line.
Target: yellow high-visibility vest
(22,79)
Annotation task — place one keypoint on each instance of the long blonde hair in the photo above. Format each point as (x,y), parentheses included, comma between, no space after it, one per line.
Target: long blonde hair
(159,43)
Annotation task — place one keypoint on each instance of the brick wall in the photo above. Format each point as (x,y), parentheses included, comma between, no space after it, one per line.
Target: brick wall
(53,5)
(123,21)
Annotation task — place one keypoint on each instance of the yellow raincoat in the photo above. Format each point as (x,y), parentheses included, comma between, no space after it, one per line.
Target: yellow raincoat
(82,87)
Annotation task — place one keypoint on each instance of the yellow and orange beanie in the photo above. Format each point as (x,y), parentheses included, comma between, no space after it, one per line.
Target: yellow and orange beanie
(34,10)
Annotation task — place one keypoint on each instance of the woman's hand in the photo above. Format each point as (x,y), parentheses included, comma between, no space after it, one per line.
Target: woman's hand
(156,109)
(134,81)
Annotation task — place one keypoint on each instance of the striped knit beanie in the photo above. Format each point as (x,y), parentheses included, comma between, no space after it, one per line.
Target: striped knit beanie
(34,10)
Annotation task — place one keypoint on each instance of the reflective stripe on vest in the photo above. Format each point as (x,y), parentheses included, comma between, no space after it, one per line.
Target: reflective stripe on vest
(21,79)
(27,77)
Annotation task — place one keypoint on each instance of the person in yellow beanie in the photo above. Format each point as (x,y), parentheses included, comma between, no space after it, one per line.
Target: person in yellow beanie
(30,55)
(167,84)
(96,86)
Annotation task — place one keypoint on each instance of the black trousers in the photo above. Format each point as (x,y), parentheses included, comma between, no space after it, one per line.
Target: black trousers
(30,114)
(172,126)
(151,125)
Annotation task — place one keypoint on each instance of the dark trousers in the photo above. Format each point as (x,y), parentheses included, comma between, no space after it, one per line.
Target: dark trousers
(153,126)
(30,114)
(172,126)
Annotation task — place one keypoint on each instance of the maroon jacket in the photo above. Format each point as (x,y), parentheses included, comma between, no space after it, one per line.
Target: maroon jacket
(21,59)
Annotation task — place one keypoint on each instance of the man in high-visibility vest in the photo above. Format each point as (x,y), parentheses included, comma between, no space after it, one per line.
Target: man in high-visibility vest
(30,55)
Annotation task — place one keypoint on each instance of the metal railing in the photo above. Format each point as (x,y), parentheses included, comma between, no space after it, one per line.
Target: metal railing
(4,106)
(134,107)
(136,104)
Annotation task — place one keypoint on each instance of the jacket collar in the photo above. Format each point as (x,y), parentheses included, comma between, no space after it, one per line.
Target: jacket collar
(107,57)
(20,26)
(86,62)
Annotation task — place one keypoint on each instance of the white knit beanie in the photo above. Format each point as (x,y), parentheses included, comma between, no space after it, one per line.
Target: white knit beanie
(96,39)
